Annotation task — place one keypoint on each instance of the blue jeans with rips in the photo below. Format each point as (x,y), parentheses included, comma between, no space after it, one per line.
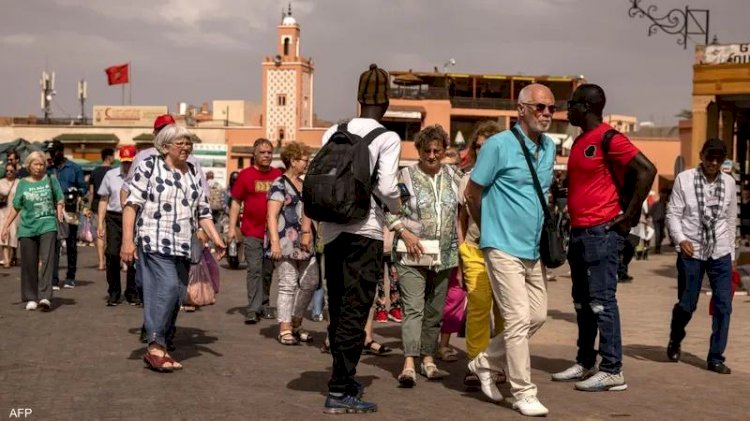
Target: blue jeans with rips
(594,256)
(689,279)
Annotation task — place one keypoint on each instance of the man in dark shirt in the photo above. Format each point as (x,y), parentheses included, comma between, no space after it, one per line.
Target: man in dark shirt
(108,157)
(70,175)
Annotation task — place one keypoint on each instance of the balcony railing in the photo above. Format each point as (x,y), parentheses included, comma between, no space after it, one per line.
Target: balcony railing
(495,103)
(424,93)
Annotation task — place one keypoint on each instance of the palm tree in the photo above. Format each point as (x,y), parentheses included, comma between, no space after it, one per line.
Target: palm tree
(684,114)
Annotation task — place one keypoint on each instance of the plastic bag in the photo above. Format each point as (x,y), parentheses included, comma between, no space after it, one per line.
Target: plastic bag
(84,231)
(200,290)
(213,268)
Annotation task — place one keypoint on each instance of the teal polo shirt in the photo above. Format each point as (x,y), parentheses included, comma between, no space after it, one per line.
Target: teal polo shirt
(512,216)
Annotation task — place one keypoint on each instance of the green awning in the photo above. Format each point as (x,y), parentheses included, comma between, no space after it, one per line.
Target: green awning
(88,138)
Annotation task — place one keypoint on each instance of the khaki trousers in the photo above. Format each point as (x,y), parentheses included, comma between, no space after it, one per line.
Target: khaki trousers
(521,293)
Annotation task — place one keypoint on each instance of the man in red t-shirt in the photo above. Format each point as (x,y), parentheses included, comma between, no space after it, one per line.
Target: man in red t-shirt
(251,189)
(600,220)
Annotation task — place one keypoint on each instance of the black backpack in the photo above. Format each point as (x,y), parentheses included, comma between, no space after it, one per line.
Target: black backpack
(338,184)
(626,188)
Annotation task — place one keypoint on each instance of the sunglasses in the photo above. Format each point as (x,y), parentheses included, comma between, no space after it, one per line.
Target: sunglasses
(539,107)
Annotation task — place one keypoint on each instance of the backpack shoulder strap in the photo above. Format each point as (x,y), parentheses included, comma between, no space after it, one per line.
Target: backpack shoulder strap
(374,134)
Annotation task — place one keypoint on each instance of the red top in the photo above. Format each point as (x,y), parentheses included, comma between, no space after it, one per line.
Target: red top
(251,188)
(592,195)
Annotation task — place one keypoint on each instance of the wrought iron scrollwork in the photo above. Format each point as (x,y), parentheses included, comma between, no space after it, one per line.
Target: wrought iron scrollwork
(684,22)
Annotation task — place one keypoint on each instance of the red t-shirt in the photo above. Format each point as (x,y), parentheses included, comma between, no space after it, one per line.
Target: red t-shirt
(592,195)
(251,188)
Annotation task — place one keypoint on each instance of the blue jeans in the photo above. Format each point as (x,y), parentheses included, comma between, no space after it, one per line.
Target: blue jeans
(317,302)
(594,256)
(689,279)
(164,280)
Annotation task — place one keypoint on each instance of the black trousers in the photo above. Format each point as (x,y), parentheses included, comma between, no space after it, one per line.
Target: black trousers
(658,235)
(71,249)
(353,267)
(626,256)
(113,221)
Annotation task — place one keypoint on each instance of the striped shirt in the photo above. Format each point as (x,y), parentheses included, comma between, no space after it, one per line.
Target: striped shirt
(168,203)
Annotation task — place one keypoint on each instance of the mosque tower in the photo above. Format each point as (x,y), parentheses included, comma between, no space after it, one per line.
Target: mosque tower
(287,85)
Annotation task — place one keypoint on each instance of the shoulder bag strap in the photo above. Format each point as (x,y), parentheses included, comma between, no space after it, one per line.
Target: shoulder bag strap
(534,177)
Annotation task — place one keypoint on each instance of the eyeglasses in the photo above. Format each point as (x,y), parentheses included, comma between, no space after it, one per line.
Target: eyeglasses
(183,144)
(539,107)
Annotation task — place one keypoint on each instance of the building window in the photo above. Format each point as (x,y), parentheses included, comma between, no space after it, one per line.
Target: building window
(286,46)
(281,100)
(280,130)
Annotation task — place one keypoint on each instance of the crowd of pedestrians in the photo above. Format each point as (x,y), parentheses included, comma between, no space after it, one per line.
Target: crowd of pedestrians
(447,246)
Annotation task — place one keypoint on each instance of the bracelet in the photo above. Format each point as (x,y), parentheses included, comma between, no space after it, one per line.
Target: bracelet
(306,232)
(400,229)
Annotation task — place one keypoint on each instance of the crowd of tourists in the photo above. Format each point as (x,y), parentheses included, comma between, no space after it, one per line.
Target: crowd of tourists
(450,245)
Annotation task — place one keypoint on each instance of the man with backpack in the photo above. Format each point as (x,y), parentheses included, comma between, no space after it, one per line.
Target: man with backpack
(349,183)
(609,178)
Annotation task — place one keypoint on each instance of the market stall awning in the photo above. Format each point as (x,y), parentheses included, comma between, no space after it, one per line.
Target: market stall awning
(103,138)
(404,113)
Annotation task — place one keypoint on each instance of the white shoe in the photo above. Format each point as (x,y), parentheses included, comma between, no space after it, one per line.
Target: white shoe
(602,382)
(31,305)
(55,288)
(45,304)
(487,381)
(531,407)
(575,372)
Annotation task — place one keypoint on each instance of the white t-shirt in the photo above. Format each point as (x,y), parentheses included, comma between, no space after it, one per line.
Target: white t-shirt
(385,150)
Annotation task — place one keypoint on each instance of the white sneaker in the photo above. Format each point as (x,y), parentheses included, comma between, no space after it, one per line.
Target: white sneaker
(531,407)
(55,288)
(602,382)
(575,372)
(45,304)
(31,305)
(486,380)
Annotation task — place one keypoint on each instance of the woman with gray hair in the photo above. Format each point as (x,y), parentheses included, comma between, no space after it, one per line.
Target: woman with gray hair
(429,191)
(165,205)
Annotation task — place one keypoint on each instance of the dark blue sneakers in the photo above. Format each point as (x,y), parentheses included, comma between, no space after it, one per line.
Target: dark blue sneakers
(345,404)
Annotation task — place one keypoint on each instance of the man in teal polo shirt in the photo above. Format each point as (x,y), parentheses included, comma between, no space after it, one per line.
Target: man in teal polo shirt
(502,191)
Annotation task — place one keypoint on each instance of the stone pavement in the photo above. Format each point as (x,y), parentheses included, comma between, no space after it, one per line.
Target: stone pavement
(82,361)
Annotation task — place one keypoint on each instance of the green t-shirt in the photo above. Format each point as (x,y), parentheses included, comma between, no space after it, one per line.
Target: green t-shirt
(37,210)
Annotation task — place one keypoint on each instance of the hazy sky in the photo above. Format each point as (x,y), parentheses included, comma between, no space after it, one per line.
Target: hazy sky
(200,50)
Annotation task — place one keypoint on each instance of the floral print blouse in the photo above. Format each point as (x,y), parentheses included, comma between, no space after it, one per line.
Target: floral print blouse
(431,210)
(290,220)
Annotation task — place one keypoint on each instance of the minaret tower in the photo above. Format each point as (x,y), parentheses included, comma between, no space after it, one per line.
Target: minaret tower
(287,85)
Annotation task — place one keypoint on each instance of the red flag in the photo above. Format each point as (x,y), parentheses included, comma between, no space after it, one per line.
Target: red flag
(117,75)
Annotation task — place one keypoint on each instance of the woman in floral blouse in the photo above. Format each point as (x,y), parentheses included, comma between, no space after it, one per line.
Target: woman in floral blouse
(165,205)
(429,190)
(289,242)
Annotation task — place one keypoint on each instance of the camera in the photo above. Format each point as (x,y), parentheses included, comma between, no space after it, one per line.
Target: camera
(71,196)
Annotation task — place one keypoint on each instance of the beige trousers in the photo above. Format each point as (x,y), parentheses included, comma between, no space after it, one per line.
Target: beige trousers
(520,292)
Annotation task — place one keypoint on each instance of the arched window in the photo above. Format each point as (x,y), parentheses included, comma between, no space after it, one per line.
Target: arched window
(286,46)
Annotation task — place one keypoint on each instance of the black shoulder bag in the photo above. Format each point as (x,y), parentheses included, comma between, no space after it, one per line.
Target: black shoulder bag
(551,245)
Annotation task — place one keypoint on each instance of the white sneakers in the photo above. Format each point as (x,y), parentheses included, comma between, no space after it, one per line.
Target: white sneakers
(530,406)
(45,304)
(576,372)
(486,380)
(602,382)
(31,305)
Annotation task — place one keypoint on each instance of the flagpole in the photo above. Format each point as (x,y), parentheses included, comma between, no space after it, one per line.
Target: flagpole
(123,94)
(130,84)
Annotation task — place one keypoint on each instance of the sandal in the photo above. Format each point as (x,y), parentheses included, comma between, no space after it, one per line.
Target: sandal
(471,381)
(175,365)
(302,335)
(286,337)
(374,348)
(326,348)
(158,362)
(447,354)
(431,371)
(407,378)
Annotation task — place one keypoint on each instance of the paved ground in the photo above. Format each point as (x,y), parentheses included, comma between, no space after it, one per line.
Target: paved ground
(82,361)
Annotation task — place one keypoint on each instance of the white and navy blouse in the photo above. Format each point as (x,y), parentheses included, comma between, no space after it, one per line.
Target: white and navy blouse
(170,203)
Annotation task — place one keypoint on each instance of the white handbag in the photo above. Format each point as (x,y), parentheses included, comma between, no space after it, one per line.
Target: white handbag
(430,257)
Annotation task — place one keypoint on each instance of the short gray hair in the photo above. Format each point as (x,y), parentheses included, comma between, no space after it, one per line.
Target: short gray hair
(36,155)
(168,135)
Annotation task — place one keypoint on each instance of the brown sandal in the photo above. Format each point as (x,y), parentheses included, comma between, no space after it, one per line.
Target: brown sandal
(158,363)
(286,337)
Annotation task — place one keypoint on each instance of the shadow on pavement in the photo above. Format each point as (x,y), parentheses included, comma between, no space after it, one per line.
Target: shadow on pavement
(550,365)
(59,302)
(317,381)
(658,354)
(669,271)
(564,316)
(190,342)
(237,310)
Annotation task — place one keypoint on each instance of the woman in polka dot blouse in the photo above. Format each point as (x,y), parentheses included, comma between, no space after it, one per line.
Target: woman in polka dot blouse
(165,206)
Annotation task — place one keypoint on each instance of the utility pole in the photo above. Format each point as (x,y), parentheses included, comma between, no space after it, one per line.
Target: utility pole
(48,91)
(82,99)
